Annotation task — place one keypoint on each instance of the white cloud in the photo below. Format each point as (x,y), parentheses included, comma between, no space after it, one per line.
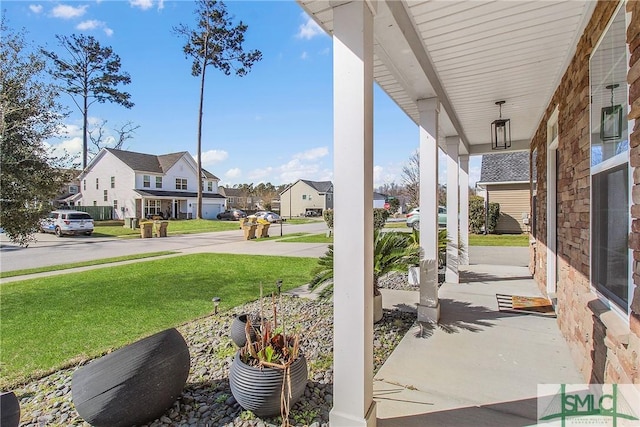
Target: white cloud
(93,24)
(325,51)
(146,4)
(304,55)
(35,8)
(233,173)
(213,156)
(309,29)
(67,12)
(312,154)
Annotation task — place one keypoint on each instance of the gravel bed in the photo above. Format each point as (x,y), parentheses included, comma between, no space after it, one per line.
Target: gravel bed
(207,400)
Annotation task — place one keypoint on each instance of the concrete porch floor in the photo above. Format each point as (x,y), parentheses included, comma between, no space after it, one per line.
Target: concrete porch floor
(479,366)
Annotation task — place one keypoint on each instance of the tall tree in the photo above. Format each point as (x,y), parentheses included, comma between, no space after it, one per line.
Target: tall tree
(29,114)
(411,180)
(216,42)
(89,73)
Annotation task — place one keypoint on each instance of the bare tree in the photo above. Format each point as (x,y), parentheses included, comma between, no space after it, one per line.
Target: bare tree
(411,179)
(217,42)
(99,139)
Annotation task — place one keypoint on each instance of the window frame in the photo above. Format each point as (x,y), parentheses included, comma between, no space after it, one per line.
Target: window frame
(610,165)
(181,184)
(113,182)
(146,181)
(158,181)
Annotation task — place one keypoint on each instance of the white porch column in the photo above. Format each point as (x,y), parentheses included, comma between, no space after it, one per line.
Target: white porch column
(353,403)
(464,210)
(429,305)
(453,191)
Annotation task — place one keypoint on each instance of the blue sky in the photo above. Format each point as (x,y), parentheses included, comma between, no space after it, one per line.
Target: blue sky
(273,125)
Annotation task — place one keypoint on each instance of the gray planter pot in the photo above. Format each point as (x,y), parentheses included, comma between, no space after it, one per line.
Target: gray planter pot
(133,385)
(237,333)
(9,410)
(259,389)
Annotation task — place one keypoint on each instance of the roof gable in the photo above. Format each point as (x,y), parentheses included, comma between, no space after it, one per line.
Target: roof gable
(320,186)
(505,167)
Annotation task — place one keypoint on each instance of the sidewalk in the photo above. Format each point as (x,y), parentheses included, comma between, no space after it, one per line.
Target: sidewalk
(479,366)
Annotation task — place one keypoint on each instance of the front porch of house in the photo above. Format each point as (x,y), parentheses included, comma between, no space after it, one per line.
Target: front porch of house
(479,366)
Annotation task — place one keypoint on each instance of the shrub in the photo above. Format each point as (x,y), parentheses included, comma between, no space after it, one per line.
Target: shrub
(477,215)
(328,217)
(380,217)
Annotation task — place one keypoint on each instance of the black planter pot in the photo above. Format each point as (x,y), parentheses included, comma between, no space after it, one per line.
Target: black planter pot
(9,410)
(237,333)
(133,385)
(258,389)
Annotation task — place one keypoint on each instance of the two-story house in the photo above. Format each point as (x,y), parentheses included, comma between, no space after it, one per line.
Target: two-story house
(140,185)
(305,197)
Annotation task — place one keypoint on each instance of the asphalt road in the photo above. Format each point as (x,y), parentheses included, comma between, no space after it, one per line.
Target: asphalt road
(52,250)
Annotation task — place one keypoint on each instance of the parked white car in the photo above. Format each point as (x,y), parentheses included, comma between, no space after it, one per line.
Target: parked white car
(269,216)
(67,222)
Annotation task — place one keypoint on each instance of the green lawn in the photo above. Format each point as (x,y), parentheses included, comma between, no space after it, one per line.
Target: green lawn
(309,238)
(187,226)
(50,322)
(499,240)
(14,273)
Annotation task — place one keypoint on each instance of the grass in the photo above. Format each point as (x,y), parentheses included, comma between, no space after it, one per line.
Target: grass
(309,238)
(49,323)
(498,240)
(188,226)
(14,273)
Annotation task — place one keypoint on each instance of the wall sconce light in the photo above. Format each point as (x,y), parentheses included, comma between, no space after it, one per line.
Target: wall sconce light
(611,119)
(216,303)
(500,131)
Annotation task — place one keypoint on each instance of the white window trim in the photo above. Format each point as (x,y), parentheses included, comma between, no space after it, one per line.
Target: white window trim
(614,161)
(552,206)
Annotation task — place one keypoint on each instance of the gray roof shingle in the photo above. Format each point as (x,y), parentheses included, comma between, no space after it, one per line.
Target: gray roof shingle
(505,167)
(151,163)
(320,186)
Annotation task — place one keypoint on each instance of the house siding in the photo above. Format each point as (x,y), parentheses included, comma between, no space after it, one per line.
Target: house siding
(292,203)
(103,170)
(514,201)
(604,345)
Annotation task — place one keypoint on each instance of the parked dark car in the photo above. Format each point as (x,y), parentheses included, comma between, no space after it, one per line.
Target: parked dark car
(232,215)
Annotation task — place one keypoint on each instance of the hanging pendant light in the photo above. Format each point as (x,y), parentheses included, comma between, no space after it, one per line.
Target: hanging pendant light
(611,119)
(500,131)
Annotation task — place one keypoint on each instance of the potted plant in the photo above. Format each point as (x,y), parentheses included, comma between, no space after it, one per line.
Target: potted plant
(392,251)
(269,373)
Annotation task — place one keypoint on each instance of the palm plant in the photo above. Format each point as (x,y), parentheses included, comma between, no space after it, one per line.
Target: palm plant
(392,251)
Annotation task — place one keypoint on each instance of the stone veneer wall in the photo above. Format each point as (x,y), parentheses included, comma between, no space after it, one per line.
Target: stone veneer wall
(604,346)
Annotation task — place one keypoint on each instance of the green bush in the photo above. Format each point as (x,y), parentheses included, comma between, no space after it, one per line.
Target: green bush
(328,217)
(477,215)
(380,217)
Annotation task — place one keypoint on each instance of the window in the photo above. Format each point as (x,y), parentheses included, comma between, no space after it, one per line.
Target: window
(610,265)
(181,184)
(73,189)
(113,182)
(97,185)
(158,182)
(106,197)
(304,197)
(115,205)
(84,184)
(210,186)
(146,181)
(151,207)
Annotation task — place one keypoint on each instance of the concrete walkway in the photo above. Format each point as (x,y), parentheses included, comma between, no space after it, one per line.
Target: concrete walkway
(478,366)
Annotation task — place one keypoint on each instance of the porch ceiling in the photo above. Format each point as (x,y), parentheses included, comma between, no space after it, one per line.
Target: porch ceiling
(471,54)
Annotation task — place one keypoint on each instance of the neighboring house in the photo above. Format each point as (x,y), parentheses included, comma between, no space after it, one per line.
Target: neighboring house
(379,200)
(237,198)
(504,177)
(141,185)
(70,195)
(306,196)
